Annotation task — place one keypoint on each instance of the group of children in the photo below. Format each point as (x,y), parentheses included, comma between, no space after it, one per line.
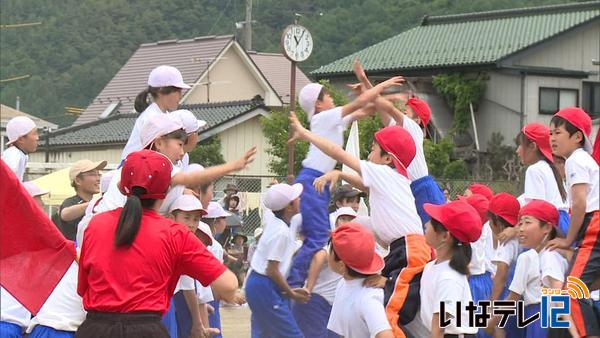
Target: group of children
(407,269)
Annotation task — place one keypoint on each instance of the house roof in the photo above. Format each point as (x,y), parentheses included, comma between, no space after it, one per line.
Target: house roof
(8,113)
(190,56)
(471,39)
(276,69)
(116,128)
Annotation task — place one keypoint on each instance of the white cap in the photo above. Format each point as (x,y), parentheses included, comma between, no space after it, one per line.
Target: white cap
(17,127)
(344,211)
(189,121)
(205,230)
(215,210)
(105,180)
(282,194)
(308,97)
(193,167)
(157,126)
(33,189)
(166,76)
(186,203)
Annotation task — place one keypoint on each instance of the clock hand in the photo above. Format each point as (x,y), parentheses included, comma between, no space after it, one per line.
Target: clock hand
(297,40)
(301,35)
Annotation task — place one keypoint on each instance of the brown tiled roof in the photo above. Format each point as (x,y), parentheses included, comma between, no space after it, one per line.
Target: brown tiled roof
(7,113)
(189,56)
(276,69)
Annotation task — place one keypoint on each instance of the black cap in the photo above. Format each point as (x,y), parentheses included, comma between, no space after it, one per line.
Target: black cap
(346,191)
(231,187)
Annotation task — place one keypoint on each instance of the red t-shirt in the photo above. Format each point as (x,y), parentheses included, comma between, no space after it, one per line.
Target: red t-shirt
(141,277)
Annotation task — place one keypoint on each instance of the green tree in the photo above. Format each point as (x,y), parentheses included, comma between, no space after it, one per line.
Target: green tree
(208,153)
(439,160)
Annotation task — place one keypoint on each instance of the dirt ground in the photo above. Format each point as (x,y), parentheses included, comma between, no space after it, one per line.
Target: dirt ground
(235,321)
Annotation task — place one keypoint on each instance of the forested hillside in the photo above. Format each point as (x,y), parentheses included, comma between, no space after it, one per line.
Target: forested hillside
(81,44)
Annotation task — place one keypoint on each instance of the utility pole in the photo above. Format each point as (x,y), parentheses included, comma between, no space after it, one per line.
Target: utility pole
(248,26)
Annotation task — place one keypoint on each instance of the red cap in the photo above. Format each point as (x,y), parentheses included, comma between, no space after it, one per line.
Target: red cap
(540,135)
(421,108)
(506,206)
(480,203)
(459,218)
(355,246)
(581,120)
(147,169)
(482,189)
(397,142)
(541,210)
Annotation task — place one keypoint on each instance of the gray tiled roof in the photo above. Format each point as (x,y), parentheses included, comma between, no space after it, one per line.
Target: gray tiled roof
(116,128)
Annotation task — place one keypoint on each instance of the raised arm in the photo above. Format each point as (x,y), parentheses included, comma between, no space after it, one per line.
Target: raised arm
(369,95)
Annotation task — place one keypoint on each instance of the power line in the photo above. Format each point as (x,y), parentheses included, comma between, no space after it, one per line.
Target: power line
(219,18)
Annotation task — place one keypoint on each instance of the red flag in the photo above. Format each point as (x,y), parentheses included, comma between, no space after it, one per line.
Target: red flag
(34,255)
(596,149)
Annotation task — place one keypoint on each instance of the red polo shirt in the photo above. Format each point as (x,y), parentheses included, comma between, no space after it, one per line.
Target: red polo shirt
(141,277)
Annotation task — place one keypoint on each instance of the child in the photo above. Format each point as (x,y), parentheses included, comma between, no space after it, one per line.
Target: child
(36,192)
(542,179)
(418,114)
(165,85)
(345,196)
(396,223)
(22,140)
(453,226)
(480,280)
(504,213)
(188,211)
(481,189)
(191,125)
(357,310)
(204,293)
(328,121)
(570,130)
(321,282)
(267,292)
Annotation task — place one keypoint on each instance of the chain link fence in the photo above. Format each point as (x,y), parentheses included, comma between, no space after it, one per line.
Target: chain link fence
(251,188)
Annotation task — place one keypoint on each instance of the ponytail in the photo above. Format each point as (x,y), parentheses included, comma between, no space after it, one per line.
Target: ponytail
(131,217)
(141,100)
(461,252)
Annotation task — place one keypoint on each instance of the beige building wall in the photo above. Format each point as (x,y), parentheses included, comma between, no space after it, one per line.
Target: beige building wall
(231,79)
(110,154)
(236,140)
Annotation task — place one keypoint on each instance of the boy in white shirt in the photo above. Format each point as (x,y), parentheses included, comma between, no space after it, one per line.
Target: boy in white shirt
(396,223)
(267,292)
(22,140)
(357,310)
(328,121)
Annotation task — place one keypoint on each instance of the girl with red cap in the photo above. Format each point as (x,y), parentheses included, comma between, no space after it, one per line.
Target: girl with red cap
(127,299)
(396,223)
(542,179)
(451,230)
(570,130)
(503,213)
(415,119)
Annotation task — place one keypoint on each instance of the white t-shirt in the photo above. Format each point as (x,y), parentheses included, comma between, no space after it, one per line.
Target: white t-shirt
(12,311)
(327,282)
(16,160)
(135,141)
(204,293)
(552,265)
(527,281)
(441,283)
(357,311)
(490,251)
(63,310)
(478,264)
(184,162)
(393,210)
(418,166)
(276,244)
(185,283)
(541,185)
(328,124)
(217,250)
(508,252)
(581,167)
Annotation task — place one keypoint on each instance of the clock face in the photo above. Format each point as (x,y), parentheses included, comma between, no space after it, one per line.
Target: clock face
(297,43)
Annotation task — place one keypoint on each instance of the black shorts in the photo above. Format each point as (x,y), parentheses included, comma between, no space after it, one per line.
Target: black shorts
(122,325)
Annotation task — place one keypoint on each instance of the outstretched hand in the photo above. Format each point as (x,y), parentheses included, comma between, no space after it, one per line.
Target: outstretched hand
(299,132)
(393,81)
(245,160)
(330,178)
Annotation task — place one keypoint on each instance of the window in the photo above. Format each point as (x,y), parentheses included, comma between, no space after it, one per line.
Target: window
(553,99)
(591,98)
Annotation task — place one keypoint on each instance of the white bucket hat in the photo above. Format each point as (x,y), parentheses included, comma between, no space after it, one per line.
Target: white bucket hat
(215,210)
(157,126)
(166,76)
(282,194)
(189,121)
(308,97)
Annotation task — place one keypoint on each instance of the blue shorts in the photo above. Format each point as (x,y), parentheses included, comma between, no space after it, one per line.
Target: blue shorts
(312,317)
(42,331)
(10,330)
(426,190)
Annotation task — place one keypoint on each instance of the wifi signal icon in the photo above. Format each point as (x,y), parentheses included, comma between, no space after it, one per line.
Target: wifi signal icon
(576,288)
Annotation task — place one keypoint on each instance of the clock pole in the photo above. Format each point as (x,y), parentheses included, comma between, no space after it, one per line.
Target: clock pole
(291,147)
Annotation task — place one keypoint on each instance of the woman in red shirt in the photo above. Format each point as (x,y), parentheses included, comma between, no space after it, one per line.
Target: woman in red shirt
(132,257)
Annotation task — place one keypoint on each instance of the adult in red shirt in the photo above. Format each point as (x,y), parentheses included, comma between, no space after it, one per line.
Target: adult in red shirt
(132,257)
